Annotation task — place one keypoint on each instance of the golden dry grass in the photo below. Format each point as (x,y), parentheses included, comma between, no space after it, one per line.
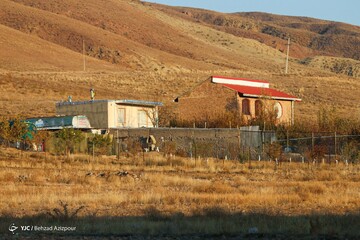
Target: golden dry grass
(176,196)
(34,185)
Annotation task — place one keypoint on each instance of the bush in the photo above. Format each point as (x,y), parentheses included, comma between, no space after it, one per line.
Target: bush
(134,146)
(101,145)
(67,138)
(318,152)
(169,147)
(273,150)
(351,152)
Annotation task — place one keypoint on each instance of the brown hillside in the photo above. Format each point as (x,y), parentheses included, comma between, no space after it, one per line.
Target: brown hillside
(139,37)
(125,35)
(309,36)
(331,38)
(344,66)
(154,52)
(70,33)
(26,52)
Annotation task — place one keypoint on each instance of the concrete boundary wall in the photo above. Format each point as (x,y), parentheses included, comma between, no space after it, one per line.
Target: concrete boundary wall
(175,133)
(196,133)
(210,142)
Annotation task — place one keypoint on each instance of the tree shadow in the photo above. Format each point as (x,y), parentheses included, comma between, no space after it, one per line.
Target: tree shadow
(206,223)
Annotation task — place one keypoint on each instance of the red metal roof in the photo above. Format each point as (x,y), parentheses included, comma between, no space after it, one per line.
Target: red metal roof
(245,79)
(259,92)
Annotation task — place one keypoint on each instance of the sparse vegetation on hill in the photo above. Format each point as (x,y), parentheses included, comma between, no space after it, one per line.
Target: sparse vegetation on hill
(309,36)
(344,66)
(154,52)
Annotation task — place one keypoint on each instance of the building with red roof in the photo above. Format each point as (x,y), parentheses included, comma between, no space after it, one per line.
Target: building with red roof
(249,98)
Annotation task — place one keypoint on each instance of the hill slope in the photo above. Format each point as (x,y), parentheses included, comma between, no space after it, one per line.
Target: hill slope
(309,36)
(22,51)
(126,35)
(148,51)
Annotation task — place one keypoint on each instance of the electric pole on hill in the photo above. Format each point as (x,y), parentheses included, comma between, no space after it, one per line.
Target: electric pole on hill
(287,57)
(84,55)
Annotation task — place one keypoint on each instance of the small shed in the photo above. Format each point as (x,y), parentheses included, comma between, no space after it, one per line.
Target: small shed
(107,114)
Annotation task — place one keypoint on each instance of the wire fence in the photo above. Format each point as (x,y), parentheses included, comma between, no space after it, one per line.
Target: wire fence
(322,147)
(233,144)
(242,144)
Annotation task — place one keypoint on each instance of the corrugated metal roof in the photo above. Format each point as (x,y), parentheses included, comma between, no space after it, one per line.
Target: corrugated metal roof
(261,92)
(123,101)
(139,102)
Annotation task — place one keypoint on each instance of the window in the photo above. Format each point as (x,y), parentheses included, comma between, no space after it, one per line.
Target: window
(246,106)
(258,108)
(278,110)
(121,117)
(142,118)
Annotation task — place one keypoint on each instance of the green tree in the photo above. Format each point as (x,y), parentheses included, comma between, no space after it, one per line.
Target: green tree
(19,131)
(5,131)
(68,138)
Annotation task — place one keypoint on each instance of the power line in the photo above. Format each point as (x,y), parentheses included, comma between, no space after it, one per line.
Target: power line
(84,58)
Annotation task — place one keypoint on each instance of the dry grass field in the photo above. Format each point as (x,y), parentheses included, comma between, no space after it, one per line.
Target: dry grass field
(176,196)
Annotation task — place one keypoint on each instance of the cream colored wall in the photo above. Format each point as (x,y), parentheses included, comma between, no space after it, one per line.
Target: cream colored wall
(131,115)
(112,116)
(103,115)
(97,112)
(132,120)
(269,104)
(286,117)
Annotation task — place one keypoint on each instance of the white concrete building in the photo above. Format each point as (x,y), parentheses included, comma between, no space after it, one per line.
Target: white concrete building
(106,114)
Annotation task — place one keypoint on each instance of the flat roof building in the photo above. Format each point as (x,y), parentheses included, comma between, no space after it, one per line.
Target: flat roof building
(106,114)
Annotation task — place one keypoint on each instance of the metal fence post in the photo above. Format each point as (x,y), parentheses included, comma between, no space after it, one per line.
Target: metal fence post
(312,141)
(262,143)
(249,156)
(335,146)
(239,142)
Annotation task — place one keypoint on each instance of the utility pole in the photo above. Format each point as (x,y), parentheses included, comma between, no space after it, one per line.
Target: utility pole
(287,56)
(84,55)
(93,149)
(335,145)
